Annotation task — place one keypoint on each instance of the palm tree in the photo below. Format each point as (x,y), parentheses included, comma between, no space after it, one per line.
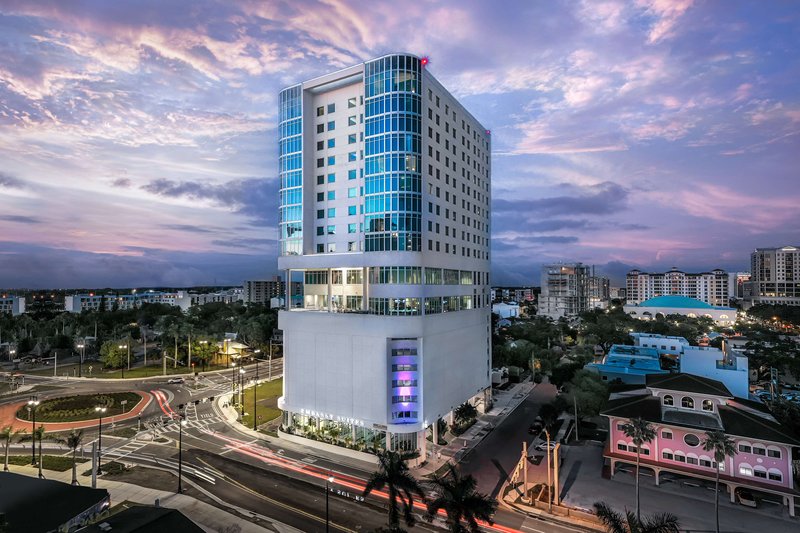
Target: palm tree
(639,431)
(394,474)
(9,435)
(617,523)
(456,494)
(73,441)
(464,414)
(723,447)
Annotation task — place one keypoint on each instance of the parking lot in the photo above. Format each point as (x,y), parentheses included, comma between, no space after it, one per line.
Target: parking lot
(690,499)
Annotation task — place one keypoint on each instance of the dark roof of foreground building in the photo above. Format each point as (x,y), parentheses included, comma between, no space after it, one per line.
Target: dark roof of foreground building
(736,421)
(145,518)
(688,383)
(32,504)
(743,424)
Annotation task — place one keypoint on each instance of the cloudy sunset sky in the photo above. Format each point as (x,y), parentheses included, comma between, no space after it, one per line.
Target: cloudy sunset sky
(138,141)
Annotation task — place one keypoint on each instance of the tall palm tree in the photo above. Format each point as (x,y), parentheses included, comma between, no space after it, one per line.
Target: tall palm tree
(629,523)
(73,441)
(456,494)
(723,447)
(639,431)
(9,435)
(393,473)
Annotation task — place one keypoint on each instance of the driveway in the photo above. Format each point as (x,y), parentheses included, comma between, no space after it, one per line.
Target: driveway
(494,457)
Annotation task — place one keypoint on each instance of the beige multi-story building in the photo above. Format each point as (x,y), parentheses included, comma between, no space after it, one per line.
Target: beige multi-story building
(565,289)
(775,276)
(709,287)
(262,291)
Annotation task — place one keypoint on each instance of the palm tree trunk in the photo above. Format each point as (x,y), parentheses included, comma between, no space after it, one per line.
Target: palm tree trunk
(716,498)
(41,476)
(74,467)
(394,519)
(638,514)
(5,464)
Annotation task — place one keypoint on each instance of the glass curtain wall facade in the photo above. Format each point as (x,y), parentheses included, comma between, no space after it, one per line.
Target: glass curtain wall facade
(291,170)
(393,152)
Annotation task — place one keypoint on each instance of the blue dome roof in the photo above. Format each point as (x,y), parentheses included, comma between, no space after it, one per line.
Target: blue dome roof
(674,300)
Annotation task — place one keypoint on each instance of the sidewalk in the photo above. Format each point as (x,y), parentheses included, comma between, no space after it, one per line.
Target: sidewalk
(207,516)
(231,416)
(504,402)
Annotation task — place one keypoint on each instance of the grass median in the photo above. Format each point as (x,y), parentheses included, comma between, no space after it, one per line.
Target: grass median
(94,369)
(267,401)
(57,463)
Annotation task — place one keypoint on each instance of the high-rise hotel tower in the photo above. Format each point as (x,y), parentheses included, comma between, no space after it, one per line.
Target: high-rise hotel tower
(384,211)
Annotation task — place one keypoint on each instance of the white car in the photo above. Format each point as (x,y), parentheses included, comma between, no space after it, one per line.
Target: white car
(543,446)
(175,380)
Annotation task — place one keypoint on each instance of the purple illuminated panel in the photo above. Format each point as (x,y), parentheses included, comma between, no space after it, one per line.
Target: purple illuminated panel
(404,366)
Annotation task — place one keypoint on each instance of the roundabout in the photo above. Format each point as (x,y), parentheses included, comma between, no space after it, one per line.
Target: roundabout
(62,413)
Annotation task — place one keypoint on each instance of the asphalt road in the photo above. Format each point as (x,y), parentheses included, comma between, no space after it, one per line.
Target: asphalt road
(282,480)
(494,458)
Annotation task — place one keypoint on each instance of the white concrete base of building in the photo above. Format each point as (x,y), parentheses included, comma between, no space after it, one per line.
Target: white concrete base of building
(330,448)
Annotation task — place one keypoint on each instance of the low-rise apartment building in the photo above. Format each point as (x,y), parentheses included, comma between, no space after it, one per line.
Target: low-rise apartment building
(13,305)
(682,408)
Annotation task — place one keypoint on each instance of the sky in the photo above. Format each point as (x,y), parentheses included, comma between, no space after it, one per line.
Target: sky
(138,140)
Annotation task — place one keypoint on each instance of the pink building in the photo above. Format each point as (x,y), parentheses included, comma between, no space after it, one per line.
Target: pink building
(682,408)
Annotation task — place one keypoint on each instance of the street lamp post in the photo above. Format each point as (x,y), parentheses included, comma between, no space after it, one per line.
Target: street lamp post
(205,353)
(122,347)
(233,383)
(81,347)
(255,395)
(99,410)
(241,387)
(33,403)
(327,506)
(181,423)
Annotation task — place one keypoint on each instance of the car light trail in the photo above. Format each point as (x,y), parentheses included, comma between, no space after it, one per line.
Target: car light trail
(268,456)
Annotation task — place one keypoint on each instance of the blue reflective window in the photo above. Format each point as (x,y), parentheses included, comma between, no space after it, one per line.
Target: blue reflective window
(331,125)
(351,174)
(351,210)
(331,212)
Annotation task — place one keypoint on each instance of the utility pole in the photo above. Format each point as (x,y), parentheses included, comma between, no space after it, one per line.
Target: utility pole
(524,469)
(549,475)
(575,405)
(556,453)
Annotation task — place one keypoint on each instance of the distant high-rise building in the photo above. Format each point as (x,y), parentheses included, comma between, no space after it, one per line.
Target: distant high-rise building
(565,289)
(261,291)
(739,285)
(599,292)
(775,276)
(709,287)
(384,212)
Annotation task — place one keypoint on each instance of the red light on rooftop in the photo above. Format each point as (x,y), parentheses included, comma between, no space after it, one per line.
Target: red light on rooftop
(424,61)
(488,132)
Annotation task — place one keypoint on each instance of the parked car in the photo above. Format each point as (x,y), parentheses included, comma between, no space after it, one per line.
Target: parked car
(175,380)
(746,498)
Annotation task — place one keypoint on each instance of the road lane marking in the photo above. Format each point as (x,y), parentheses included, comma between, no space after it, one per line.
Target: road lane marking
(280,504)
